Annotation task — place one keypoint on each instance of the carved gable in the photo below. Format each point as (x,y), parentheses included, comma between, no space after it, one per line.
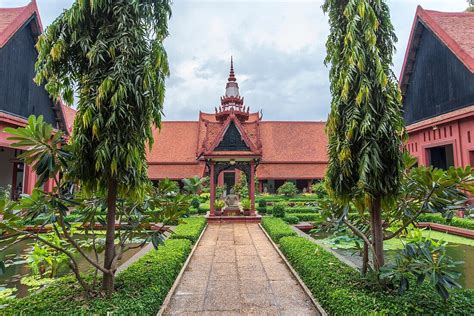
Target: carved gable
(232,140)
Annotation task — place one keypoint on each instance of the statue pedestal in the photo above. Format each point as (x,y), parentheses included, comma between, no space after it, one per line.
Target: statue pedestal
(232,211)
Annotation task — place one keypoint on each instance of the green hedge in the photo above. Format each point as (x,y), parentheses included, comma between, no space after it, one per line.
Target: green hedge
(190,229)
(298,209)
(341,291)
(456,221)
(141,288)
(280,198)
(308,217)
(290,219)
(277,228)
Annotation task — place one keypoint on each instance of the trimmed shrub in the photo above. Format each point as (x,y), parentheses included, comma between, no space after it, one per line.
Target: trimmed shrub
(455,221)
(141,288)
(301,209)
(341,291)
(277,228)
(190,229)
(195,203)
(290,219)
(308,217)
(262,210)
(279,210)
(288,189)
(203,208)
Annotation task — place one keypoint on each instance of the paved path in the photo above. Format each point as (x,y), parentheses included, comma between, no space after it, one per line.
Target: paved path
(236,271)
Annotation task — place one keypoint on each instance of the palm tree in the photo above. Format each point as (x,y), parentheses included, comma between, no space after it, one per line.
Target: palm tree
(195,184)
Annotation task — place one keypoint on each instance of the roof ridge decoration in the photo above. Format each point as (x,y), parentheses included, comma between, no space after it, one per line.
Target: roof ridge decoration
(18,16)
(427,19)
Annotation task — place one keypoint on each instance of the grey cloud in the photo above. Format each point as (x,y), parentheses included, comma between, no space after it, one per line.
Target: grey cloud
(278,48)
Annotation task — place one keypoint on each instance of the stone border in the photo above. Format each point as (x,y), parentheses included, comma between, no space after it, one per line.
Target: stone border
(448,229)
(295,274)
(167,299)
(327,248)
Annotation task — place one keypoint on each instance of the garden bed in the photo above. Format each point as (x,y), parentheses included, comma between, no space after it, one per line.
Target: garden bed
(141,288)
(341,290)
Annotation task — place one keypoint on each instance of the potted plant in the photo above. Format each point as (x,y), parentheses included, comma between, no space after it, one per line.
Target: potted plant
(246,206)
(218,205)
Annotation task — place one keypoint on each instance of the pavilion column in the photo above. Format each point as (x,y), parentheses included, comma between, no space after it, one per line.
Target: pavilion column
(213,189)
(252,188)
(29,179)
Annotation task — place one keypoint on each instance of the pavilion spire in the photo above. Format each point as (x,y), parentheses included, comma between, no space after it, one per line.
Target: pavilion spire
(232,101)
(231,74)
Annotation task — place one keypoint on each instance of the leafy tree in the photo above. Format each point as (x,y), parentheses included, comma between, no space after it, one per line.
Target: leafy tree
(365,125)
(470,7)
(423,190)
(112,53)
(195,184)
(288,189)
(159,205)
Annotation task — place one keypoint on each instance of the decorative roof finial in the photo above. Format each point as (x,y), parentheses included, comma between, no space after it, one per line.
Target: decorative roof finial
(231,74)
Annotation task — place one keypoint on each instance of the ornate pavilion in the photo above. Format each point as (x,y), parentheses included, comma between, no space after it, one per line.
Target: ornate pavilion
(234,140)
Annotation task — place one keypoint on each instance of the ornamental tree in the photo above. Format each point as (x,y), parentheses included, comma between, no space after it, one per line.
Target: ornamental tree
(365,125)
(111,52)
(470,7)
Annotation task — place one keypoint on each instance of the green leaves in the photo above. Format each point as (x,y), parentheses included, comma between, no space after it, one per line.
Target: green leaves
(111,52)
(426,260)
(195,184)
(365,126)
(46,151)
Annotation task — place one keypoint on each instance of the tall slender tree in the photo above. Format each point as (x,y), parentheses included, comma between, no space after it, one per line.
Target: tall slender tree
(365,126)
(111,52)
(470,7)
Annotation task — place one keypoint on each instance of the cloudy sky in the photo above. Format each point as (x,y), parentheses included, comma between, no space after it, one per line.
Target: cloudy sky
(278,49)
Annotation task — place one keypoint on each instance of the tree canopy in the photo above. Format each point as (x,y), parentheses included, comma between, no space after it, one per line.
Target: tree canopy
(112,53)
(365,125)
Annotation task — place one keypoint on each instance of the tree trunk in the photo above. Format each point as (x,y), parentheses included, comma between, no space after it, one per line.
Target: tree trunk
(377,232)
(109,278)
(365,259)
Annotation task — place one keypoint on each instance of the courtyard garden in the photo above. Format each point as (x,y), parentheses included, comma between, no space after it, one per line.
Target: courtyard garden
(378,235)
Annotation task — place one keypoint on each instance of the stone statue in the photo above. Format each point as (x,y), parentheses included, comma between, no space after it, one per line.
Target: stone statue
(232,200)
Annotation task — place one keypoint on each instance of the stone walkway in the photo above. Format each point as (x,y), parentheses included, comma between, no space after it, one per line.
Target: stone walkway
(236,271)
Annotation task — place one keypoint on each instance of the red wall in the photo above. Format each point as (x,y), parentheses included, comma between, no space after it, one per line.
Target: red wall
(459,133)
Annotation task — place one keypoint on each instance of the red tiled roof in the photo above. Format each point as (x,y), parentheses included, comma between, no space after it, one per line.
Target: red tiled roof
(293,141)
(12,19)
(69,115)
(175,142)
(175,171)
(291,171)
(296,150)
(454,29)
